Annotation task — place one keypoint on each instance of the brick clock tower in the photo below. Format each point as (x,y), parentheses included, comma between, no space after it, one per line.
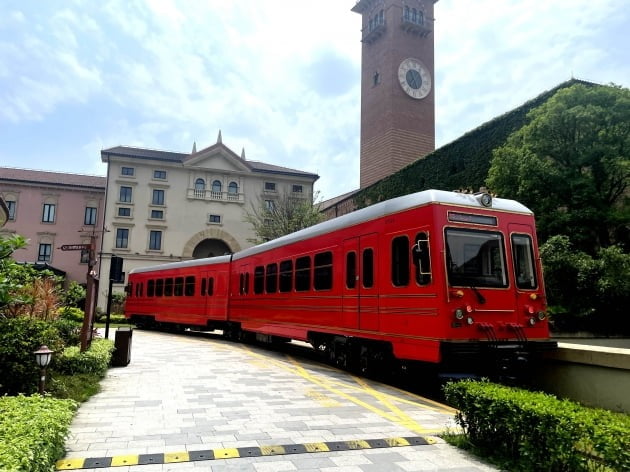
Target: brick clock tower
(397,85)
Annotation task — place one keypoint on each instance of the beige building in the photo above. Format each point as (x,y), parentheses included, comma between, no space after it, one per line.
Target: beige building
(167,206)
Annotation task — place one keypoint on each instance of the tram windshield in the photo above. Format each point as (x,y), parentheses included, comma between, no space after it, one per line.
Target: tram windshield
(475,258)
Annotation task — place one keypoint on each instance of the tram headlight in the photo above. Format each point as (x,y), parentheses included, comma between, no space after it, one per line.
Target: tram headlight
(532,321)
(485,199)
(459,314)
(470,320)
(542,315)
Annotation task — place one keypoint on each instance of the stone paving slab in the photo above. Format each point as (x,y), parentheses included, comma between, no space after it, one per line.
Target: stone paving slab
(185,397)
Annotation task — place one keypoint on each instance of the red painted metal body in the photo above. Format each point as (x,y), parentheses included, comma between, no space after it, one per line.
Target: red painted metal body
(421,276)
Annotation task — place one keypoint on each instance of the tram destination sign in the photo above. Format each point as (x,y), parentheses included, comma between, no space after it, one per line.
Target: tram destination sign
(75,247)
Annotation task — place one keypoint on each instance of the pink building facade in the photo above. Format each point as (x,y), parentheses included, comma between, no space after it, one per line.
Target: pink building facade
(53,209)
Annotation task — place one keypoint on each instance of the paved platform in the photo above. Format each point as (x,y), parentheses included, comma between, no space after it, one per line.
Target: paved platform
(202,402)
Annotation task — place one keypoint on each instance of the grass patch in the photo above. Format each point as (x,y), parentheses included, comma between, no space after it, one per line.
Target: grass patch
(78,387)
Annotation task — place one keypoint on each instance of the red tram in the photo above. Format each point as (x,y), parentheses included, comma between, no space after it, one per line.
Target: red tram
(445,278)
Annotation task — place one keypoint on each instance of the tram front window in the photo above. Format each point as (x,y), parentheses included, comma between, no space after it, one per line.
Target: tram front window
(475,258)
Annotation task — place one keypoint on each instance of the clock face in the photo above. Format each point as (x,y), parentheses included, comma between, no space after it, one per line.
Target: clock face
(414,78)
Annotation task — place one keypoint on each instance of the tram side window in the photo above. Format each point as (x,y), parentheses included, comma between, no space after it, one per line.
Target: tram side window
(203,287)
(286,276)
(151,288)
(400,261)
(140,289)
(179,286)
(368,268)
(246,283)
(524,268)
(351,269)
(168,287)
(271,279)
(302,273)
(159,287)
(259,279)
(189,289)
(210,286)
(422,259)
(323,271)
(129,289)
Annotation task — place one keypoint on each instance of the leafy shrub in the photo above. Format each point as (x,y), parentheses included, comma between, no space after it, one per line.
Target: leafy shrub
(71,313)
(19,338)
(74,295)
(69,330)
(93,361)
(538,432)
(32,432)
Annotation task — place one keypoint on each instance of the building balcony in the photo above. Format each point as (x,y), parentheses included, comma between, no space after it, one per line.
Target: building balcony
(371,35)
(420,27)
(209,195)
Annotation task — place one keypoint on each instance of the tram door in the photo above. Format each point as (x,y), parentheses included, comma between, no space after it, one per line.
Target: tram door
(360,295)
(523,263)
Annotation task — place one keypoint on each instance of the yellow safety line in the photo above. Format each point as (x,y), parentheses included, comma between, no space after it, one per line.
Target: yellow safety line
(404,419)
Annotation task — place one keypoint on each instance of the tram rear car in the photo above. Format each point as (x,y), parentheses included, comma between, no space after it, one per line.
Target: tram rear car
(190,294)
(444,278)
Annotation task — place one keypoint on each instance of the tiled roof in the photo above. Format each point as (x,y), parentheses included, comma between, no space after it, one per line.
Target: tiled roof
(11,174)
(153,154)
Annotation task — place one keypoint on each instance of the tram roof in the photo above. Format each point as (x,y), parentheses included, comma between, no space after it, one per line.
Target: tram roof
(388,207)
(378,210)
(183,264)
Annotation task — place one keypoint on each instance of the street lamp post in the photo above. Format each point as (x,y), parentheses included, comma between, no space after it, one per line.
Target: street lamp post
(43,356)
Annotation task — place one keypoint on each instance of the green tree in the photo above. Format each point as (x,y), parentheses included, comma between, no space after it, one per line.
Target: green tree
(571,165)
(284,215)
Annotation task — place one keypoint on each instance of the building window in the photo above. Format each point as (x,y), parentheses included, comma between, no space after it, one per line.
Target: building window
(270,186)
(200,184)
(11,206)
(270,205)
(44,252)
(48,215)
(157,214)
(127,171)
(159,174)
(216,186)
(233,188)
(90,216)
(122,238)
(85,257)
(376,79)
(214,218)
(297,189)
(122,211)
(125,194)
(155,240)
(158,197)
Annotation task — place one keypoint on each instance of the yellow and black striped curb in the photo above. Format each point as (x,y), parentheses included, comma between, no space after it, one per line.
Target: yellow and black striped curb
(231,453)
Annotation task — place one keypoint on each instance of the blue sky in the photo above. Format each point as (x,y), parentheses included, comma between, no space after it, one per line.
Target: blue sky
(279,78)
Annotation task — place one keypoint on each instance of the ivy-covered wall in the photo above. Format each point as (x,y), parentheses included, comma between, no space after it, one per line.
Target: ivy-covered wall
(463,163)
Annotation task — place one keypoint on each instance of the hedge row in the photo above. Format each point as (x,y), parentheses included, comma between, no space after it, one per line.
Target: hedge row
(537,431)
(93,361)
(33,431)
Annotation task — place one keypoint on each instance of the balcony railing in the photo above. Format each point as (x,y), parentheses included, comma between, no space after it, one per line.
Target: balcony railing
(421,27)
(209,195)
(371,35)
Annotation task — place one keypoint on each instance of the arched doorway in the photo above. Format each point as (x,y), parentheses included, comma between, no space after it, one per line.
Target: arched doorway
(210,242)
(210,248)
